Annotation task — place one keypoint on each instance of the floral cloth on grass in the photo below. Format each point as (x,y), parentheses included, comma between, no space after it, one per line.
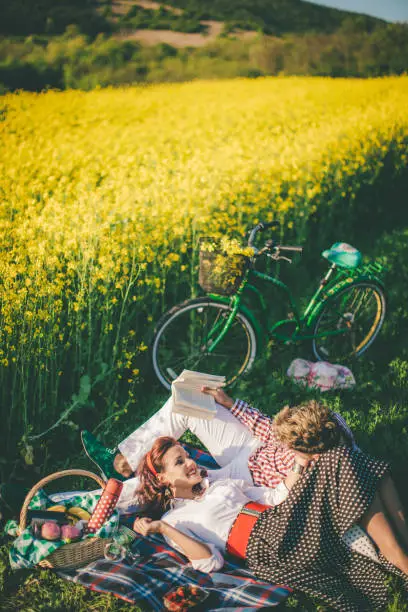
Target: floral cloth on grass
(27,550)
(321,375)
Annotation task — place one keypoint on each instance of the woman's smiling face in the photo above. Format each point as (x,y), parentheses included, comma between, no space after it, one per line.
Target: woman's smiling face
(179,470)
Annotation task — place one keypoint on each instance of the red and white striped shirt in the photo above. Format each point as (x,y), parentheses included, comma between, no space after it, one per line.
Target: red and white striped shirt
(272,461)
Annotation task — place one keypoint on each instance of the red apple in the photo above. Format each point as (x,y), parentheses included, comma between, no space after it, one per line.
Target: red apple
(50,531)
(69,533)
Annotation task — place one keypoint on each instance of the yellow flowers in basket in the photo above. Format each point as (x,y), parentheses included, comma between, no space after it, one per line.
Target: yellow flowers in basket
(222,265)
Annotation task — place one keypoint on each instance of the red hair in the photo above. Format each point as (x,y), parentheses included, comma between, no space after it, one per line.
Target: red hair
(151,493)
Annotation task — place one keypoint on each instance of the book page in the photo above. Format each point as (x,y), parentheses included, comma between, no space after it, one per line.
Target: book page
(192,374)
(188,398)
(193,398)
(200,378)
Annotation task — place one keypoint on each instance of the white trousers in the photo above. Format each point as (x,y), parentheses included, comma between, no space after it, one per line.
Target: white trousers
(229,442)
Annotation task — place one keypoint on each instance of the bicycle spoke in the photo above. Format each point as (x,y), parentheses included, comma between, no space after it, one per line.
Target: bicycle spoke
(187,342)
(216,325)
(357,311)
(366,303)
(181,361)
(204,328)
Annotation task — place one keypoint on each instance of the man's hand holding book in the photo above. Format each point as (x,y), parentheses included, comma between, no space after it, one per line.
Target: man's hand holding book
(220,396)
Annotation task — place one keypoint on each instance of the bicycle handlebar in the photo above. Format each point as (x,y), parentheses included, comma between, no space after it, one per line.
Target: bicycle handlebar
(295,249)
(261,227)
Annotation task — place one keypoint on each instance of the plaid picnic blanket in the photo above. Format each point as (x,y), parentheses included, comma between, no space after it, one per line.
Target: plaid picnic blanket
(153,568)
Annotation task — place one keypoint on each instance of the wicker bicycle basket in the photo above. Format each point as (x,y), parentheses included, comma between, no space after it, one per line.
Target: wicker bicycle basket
(221,272)
(76,554)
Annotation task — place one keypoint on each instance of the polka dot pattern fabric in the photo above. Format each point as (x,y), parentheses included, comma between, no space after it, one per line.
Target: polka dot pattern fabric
(103,511)
(299,543)
(357,539)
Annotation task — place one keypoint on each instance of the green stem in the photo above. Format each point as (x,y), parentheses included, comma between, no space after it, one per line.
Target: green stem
(132,280)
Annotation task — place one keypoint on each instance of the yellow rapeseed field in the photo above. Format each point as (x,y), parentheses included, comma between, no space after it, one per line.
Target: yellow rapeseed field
(105,193)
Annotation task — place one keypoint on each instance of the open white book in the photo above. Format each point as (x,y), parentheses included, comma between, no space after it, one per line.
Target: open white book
(188,399)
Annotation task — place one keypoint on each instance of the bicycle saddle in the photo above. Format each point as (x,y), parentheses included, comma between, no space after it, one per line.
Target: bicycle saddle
(343,255)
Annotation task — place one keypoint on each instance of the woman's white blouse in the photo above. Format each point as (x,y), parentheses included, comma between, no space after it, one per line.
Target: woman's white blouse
(209,518)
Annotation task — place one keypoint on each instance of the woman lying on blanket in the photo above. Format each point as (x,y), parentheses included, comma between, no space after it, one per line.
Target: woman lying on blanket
(292,534)
(240,438)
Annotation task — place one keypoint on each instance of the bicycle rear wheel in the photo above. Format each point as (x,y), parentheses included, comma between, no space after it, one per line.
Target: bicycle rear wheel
(184,335)
(357,313)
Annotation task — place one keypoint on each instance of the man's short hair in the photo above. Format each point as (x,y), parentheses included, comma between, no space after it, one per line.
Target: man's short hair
(308,428)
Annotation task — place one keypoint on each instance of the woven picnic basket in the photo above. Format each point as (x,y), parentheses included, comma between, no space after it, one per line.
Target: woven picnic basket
(76,554)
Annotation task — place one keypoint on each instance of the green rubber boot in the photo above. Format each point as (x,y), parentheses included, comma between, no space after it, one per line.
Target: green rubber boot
(101,456)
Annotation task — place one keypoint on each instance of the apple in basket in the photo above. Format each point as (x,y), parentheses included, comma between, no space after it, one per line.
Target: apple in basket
(50,531)
(70,533)
(184,597)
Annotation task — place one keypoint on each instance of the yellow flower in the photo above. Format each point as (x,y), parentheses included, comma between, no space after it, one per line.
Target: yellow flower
(105,195)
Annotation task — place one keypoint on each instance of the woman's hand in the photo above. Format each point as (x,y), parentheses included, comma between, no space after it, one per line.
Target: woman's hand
(302,459)
(146,526)
(220,396)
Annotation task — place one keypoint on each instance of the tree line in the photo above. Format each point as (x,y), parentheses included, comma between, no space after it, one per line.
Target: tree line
(74,60)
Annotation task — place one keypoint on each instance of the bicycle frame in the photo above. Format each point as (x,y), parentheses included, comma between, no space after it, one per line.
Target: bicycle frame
(301,320)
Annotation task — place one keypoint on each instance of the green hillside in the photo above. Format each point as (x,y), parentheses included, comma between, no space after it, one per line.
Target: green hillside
(24,17)
(276,16)
(82,44)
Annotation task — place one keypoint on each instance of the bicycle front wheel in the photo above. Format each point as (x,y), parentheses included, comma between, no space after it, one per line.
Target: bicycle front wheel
(349,322)
(184,336)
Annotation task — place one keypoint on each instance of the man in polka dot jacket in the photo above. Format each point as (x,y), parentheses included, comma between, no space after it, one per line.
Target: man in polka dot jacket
(298,539)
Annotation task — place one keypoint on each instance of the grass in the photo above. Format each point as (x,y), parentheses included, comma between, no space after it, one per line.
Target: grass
(377,411)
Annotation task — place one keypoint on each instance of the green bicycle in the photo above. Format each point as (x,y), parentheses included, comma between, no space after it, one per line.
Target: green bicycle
(220,333)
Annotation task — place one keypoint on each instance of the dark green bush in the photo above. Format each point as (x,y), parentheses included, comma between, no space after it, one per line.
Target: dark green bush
(160,19)
(24,17)
(33,77)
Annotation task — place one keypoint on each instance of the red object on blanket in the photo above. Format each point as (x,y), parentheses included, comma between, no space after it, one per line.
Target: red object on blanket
(242,527)
(184,597)
(106,505)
